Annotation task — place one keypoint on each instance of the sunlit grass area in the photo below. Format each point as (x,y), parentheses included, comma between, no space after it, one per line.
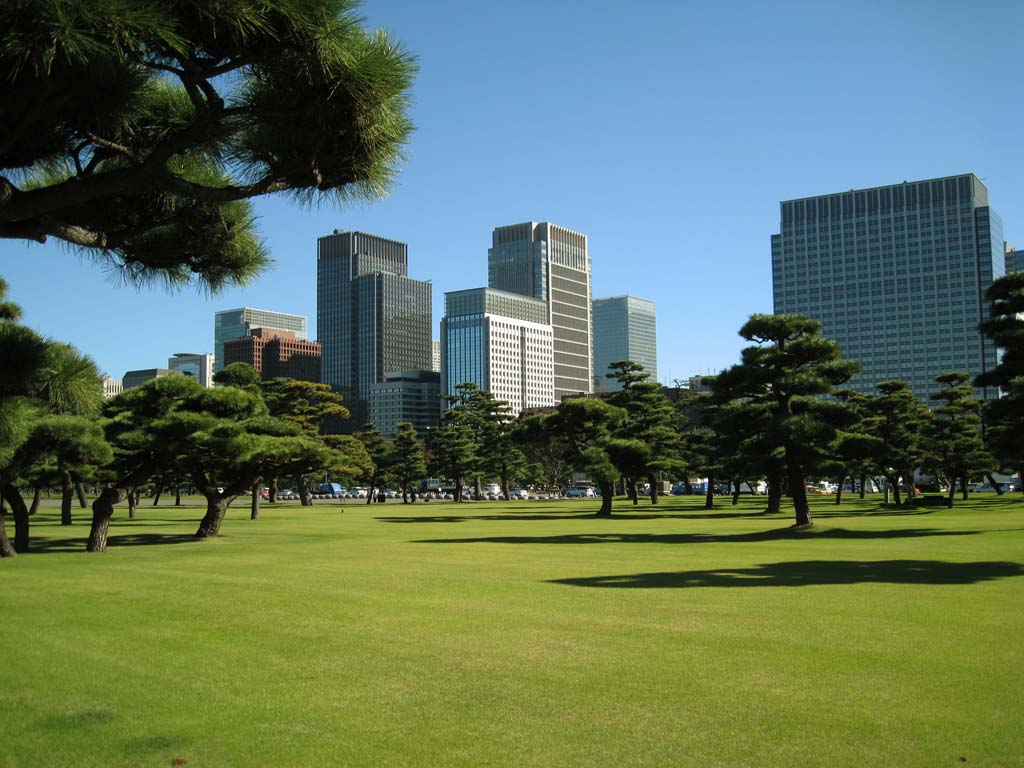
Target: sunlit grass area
(520,634)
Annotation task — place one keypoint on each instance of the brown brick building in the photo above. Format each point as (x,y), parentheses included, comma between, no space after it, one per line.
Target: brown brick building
(275,353)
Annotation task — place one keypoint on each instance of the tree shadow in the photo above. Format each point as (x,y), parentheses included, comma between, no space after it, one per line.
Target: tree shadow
(467,518)
(579,516)
(702,538)
(810,572)
(40,546)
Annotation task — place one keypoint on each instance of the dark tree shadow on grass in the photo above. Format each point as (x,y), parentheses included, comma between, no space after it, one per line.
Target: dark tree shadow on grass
(701,538)
(810,572)
(589,515)
(122,540)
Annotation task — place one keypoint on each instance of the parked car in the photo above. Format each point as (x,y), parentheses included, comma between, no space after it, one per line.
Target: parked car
(578,493)
(287,495)
(357,493)
(519,493)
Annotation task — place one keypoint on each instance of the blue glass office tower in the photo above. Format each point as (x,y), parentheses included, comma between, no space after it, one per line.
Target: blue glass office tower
(624,329)
(372,318)
(896,275)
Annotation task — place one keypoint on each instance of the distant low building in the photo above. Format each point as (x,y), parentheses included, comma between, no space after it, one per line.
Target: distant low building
(413,396)
(197,365)
(275,353)
(132,379)
(1014,258)
(111,386)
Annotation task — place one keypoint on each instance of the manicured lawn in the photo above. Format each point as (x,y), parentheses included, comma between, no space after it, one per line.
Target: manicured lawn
(520,634)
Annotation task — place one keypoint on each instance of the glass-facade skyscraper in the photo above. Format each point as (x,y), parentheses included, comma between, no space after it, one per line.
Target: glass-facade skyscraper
(235,323)
(501,342)
(552,264)
(624,329)
(372,318)
(896,275)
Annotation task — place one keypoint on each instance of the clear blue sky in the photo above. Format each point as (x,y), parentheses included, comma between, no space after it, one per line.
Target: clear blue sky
(666,131)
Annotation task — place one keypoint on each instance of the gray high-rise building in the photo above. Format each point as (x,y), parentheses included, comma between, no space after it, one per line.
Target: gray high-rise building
(896,275)
(1014,259)
(235,323)
(551,263)
(413,396)
(372,318)
(501,342)
(624,329)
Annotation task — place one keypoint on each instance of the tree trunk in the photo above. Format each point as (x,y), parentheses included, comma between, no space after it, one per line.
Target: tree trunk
(305,494)
(963,487)
(6,550)
(405,493)
(216,508)
(996,486)
(774,492)
(839,490)
(952,493)
(709,496)
(272,491)
(177,496)
(893,480)
(102,511)
(607,492)
(654,488)
(156,495)
(133,501)
(17,503)
(254,507)
(735,491)
(687,486)
(911,491)
(83,501)
(37,495)
(67,497)
(863,485)
(797,489)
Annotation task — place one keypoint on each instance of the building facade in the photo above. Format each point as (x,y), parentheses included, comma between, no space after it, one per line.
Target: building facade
(198,366)
(896,275)
(372,318)
(500,342)
(413,396)
(275,353)
(132,379)
(1014,259)
(551,264)
(236,323)
(624,329)
(111,386)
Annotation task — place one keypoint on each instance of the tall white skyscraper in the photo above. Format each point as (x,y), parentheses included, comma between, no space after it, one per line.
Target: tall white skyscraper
(551,264)
(501,342)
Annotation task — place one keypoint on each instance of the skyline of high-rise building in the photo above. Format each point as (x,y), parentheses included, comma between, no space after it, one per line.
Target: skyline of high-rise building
(372,318)
(551,263)
(625,328)
(896,275)
(234,323)
(501,342)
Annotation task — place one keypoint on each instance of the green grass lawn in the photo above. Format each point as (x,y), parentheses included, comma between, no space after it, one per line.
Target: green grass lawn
(520,634)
